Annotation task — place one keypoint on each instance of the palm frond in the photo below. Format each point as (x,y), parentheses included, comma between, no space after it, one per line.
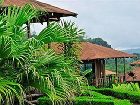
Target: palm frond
(9,91)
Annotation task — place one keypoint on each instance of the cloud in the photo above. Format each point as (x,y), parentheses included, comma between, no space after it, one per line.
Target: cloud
(117,21)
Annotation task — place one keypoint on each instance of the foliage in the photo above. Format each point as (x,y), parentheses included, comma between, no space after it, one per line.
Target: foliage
(136,58)
(127,87)
(122,102)
(71,49)
(92,101)
(86,72)
(89,97)
(82,100)
(9,91)
(133,96)
(98,41)
(96,95)
(28,63)
(110,65)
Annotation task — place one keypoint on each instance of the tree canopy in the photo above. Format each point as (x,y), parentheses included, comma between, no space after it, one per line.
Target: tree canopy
(98,41)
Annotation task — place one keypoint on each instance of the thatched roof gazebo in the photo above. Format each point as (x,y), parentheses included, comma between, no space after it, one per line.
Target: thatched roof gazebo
(48,12)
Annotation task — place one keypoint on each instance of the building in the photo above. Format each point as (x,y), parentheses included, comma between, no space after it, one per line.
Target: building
(94,56)
(134,75)
(47,12)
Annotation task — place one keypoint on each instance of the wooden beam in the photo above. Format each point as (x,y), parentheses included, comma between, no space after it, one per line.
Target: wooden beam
(124,69)
(116,65)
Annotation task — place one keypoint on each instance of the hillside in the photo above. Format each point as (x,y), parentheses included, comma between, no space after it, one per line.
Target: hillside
(131,51)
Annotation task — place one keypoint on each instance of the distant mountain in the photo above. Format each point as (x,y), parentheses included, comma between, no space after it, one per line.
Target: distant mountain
(131,51)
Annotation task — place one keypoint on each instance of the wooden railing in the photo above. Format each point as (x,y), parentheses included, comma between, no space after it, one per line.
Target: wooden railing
(108,81)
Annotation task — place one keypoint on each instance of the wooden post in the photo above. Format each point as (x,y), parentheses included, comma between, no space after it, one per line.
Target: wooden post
(93,71)
(116,65)
(103,71)
(28,30)
(96,72)
(103,68)
(49,44)
(124,69)
(85,66)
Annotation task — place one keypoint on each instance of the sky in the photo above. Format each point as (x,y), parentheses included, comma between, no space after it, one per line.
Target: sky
(116,21)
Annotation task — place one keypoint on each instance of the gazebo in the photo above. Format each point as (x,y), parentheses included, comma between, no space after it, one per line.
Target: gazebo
(96,56)
(47,11)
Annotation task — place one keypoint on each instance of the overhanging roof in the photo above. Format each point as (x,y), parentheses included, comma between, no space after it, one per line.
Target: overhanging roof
(91,51)
(53,11)
(136,72)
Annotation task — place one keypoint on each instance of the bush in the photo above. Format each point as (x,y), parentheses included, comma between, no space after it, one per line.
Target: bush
(130,95)
(127,87)
(82,100)
(122,102)
(96,95)
(100,96)
(93,98)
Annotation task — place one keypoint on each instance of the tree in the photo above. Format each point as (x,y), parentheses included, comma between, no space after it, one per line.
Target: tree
(28,63)
(98,41)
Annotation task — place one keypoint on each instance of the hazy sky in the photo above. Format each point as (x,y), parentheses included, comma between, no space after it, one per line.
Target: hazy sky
(116,21)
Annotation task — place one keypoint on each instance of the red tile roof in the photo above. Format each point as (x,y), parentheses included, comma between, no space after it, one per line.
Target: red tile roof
(136,72)
(91,51)
(39,5)
(135,63)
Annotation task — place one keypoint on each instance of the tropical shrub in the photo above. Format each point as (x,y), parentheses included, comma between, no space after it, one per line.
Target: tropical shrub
(127,87)
(130,95)
(96,95)
(92,101)
(28,64)
(122,102)
(82,100)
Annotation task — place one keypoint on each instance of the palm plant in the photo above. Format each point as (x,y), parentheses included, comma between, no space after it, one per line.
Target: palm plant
(28,63)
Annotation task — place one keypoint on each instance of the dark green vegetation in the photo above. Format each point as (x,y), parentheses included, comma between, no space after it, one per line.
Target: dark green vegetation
(27,65)
(138,56)
(110,65)
(123,91)
(98,41)
(89,97)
